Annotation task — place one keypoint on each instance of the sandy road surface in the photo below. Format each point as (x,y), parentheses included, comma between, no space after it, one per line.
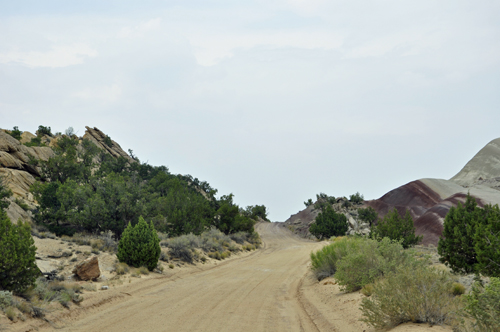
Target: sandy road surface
(271,289)
(255,293)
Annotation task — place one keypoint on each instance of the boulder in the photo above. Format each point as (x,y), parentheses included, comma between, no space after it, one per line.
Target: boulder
(88,269)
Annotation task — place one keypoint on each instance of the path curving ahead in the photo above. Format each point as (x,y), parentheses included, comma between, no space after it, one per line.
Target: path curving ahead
(259,292)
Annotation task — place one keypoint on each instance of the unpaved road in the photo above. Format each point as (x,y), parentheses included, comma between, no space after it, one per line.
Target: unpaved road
(255,293)
(268,290)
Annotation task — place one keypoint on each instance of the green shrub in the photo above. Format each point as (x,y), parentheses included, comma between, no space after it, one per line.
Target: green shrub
(368,215)
(16,133)
(356,198)
(35,141)
(43,131)
(328,223)
(482,307)
(18,269)
(324,261)
(418,295)
(139,245)
(397,228)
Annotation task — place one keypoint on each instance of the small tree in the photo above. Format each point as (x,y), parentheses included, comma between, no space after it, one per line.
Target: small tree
(456,246)
(328,223)
(396,228)
(42,130)
(139,245)
(356,198)
(16,133)
(487,242)
(368,215)
(18,269)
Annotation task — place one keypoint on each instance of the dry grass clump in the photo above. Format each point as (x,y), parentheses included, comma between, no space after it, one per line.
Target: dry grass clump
(411,294)
(457,289)
(34,300)
(121,268)
(213,243)
(143,270)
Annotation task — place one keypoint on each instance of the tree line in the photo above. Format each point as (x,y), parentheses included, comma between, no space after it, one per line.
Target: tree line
(82,188)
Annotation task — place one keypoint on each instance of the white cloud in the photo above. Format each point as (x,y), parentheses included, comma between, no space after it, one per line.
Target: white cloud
(59,56)
(141,29)
(210,48)
(108,93)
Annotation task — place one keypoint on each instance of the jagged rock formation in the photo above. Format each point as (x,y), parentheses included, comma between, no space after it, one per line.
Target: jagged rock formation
(429,200)
(99,139)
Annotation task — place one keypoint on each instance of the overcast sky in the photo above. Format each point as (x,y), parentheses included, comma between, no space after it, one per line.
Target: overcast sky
(271,100)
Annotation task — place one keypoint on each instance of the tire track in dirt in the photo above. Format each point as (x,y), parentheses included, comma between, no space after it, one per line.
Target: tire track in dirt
(258,292)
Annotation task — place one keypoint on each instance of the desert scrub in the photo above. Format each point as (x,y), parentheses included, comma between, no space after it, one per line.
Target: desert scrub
(411,294)
(370,260)
(181,247)
(121,268)
(324,261)
(482,307)
(143,270)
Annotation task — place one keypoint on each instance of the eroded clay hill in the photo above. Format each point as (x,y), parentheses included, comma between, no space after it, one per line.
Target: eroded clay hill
(429,200)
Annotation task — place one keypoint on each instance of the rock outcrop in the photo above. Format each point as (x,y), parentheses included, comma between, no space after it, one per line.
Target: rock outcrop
(105,143)
(88,269)
(299,223)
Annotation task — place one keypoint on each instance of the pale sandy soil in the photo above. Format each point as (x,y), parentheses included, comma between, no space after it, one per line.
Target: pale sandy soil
(270,289)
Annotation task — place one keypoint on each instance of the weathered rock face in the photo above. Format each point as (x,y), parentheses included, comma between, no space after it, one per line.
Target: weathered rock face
(99,139)
(485,165)
(88,269)
(14,155)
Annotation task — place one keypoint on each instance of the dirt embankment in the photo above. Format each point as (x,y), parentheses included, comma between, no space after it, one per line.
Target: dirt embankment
(268,290)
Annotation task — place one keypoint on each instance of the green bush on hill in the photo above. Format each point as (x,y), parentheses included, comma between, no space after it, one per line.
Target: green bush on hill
(139,245)
(397,228)
(328,223)
(471,239)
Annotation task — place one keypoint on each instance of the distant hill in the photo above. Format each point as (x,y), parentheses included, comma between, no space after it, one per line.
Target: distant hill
(429,200)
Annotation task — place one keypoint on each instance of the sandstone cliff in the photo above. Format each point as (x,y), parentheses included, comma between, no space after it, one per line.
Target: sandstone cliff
(19,172)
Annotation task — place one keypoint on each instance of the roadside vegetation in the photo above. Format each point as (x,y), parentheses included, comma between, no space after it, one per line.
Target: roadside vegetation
(402,284)
(143,214)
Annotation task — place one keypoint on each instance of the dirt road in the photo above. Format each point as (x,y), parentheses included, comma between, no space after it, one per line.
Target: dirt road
(255,293)
(271,289)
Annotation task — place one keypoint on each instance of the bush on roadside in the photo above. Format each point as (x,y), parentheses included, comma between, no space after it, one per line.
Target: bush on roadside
(324,261)
(482,307)
(180,247)
(139,245)
(411,294)
(18,269)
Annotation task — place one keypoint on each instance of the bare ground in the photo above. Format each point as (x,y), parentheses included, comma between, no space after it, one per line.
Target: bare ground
(268,290)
